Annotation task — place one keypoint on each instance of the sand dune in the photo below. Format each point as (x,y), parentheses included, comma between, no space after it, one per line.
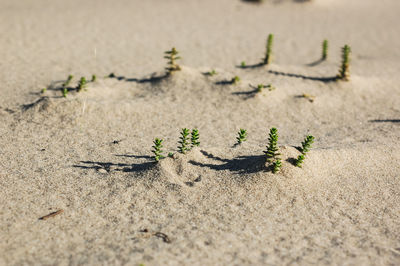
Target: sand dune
(89,154)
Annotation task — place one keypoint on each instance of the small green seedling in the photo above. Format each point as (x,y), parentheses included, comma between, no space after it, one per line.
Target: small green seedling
(170,154)
(68,81)
(172,57)
(325,46)
(64,87)
(184,141)
(306,144)
(242,136)
(44,90)
(260,87)
(243,64)
(344,72)
(111,75)
(195,138)
(272,148)
(235,80)
(81,84)
(94,78)
(268,53)
(305,147)
(157,149)
(212,72)
(65,92)
(272,152)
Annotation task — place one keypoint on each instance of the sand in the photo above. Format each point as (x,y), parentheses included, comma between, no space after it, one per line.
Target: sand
(89,154)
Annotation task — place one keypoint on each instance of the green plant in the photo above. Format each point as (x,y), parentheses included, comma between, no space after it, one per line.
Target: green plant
(305,147)
(272,152)
(243,64)
(195,137)
(157,149)
(184,140)
(344,72)
(65,91)
(64,87)
(212,72)
(68,81)
(172,57)
(170,154)
(242,136)
(325,47)
(111,75)
(235,80)
(272,149)
(260,87)
(94,78)
(276,166)
(44,90)
(268,53)
(81,84)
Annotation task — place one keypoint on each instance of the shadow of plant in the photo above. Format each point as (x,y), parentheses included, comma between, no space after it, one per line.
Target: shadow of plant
(240,165)
(225,82)
(115,167)
(322,79)
(247,94)
(385,121)
(251,66)
(315,63)
(153,79)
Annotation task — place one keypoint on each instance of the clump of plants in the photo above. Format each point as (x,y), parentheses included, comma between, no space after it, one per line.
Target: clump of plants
(64,87)
(344,72)
(272,152)
(172,56)
(325,46)
(184,141)
(195,138)
(261,87)
(305,147)
(242,136)
(81,84)
(157,149)
(268,53)
(68,81)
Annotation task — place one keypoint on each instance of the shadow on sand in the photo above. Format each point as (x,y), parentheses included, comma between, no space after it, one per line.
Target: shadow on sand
(115,167)
(322,79)
(385,121)
(153,79)
(240,165)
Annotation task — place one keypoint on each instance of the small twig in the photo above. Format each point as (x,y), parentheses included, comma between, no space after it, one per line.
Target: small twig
(163,236)
(51,215)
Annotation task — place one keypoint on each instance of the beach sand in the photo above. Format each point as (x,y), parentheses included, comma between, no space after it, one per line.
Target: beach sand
(89,154)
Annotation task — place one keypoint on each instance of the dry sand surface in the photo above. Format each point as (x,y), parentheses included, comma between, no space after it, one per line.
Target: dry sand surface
(89,154)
